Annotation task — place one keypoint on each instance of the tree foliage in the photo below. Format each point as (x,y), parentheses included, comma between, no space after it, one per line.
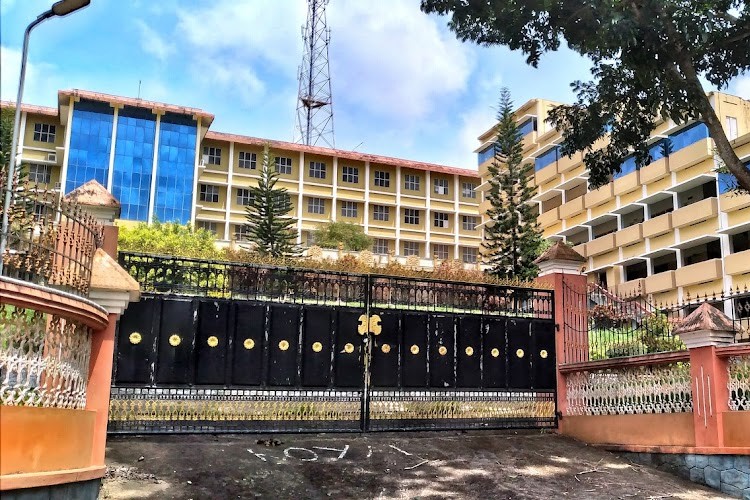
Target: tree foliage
(352,236)
(648,60)
(266,217)
(512,238)
(168,238)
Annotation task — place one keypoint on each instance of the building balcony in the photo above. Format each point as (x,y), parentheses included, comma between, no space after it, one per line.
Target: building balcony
(629,235)
(657,225)
(565,164)
(549,218)
(546,174)
(600,245)
(631,288)
(697,212)
(661,282)
(701,272)
(581,249)
(654,171)
(598,196)
(737,263)
(689,156)
(571,208)
(731,202)
(626,183)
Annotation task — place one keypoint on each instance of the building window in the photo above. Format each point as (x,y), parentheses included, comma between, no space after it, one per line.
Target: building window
(208,226)
(548,157)
(469,255)
(209,193)
(380,246)
(411,248)
(441,186)
(212,156)
(411,182)
(39,174)
(244,197)
(527,127)
(382,179)
(731,127)
(440,252)
(441,219)
(381,212)
(40,211)
(486,154)
(468,222)
(241,233)
(411,216)
(348,209)
(316,206)
(283,165)
(467,190)
(317,170)
(350,174)
(248,160)
(44,132)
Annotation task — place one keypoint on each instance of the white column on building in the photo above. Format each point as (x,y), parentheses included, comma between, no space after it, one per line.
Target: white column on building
(21,134)
(457,217)
(228,215)
(334,198)
(300,178)
(367,197)
(66,159)
(111,166)
(427,214)
(154,165)
(398,210)
(198,136)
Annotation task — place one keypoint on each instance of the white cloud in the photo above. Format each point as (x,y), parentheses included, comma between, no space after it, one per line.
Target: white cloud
(153,43)
(41,84)
(742,86)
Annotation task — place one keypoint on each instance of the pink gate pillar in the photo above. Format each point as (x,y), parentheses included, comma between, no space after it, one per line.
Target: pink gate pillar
(560,267)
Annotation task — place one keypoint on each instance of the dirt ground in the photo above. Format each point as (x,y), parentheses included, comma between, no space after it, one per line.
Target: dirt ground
(464,465)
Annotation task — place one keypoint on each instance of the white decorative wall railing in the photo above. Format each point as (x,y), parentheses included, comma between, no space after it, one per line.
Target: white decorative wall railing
(739,383)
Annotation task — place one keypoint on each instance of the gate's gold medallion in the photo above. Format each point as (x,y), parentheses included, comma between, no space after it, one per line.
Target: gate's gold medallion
(248,344)
(386,348)
(283,345)
(212,341)
(414,349)
(317,347)
(348,348)
(135,338)
(469,351)
(519,353)
(543,354)
(495,352)
(174,340)
(443,350)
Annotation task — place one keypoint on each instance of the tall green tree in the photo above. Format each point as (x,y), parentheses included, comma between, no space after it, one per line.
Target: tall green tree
(513,238)
(648,56)
(266,217)
(352,236)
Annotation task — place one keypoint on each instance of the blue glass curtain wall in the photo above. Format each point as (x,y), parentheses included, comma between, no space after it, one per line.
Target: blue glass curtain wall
(485,154)
(527,127)
(175,169)
(90,142)
(134,155)
(546,158)
(689,135)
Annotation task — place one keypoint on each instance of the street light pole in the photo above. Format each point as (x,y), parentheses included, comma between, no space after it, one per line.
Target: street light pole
(61,8)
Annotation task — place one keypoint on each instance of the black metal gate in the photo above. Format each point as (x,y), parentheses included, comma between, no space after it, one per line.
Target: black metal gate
(216,347)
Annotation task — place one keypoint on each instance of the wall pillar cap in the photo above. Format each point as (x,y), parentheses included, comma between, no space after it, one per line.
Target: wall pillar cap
(560,258)
(111,285)
(706,326)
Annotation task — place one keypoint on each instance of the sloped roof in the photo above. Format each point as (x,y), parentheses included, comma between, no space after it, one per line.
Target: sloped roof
(107,274)
(706,317)
(560,251)
(92,194)
(31,108)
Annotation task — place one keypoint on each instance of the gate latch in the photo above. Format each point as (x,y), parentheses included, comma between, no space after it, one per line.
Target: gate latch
(371,324)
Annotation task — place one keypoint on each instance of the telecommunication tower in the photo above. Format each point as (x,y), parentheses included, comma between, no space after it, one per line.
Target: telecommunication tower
(314,103)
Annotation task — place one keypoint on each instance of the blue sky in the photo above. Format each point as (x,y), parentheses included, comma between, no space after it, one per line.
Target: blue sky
(402,84)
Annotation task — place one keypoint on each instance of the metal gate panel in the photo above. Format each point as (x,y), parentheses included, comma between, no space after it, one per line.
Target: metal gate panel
(519,342)
(136,343)
(543,355)
(469,352)
(494,353)
(442,351)
(211,343)
(414,350)
(175,361)
(386,350)
(283,337)
(317,332)
(349,350)
(248,344)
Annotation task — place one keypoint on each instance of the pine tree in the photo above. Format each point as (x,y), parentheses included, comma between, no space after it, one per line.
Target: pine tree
(266,218)
(512,237)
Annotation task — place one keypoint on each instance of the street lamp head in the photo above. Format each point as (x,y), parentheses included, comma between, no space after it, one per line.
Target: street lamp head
(65,7)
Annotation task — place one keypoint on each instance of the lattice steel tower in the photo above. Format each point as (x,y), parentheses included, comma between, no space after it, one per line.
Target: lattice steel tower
(314,103)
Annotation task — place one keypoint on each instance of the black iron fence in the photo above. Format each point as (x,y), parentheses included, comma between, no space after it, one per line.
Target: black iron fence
(50,242)
(235,280)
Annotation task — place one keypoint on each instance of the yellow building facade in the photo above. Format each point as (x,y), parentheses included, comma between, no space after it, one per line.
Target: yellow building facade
(163,161)
(671,229)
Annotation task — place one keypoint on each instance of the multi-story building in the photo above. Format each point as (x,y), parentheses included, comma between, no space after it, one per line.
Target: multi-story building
(162,162)
(670,229)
